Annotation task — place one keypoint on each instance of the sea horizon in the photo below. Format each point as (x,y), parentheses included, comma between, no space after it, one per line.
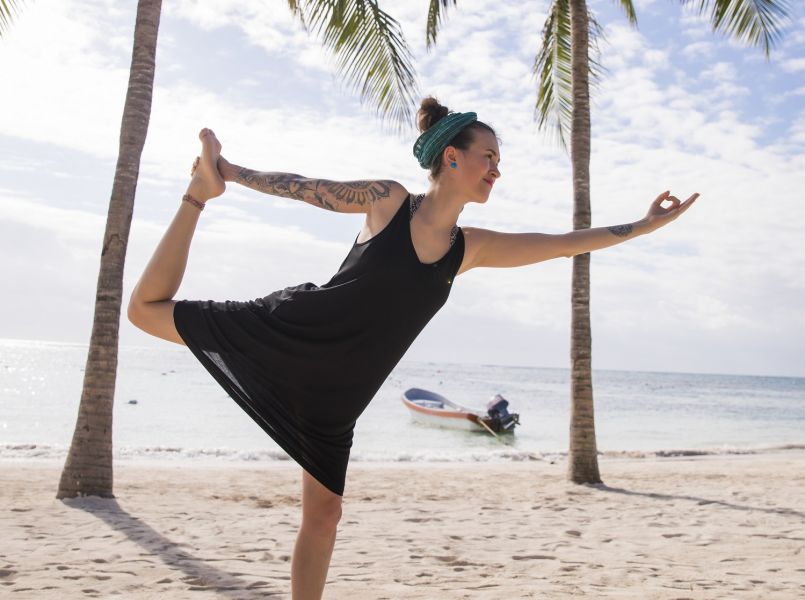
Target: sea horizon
(168,408)
(169,346)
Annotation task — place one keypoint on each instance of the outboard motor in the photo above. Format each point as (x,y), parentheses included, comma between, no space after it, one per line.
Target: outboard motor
(502,420)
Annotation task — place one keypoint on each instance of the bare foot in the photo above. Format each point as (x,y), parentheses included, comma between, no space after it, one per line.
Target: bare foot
(207,181)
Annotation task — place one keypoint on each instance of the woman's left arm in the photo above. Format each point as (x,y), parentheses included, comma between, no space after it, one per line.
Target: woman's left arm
(580,241)
(486,248)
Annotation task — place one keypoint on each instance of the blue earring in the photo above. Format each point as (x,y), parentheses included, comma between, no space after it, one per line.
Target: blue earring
(453,165)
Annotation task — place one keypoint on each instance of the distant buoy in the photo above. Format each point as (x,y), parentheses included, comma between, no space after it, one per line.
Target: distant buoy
(132,402)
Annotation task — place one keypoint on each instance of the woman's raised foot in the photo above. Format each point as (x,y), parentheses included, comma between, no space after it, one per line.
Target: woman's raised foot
(207,181)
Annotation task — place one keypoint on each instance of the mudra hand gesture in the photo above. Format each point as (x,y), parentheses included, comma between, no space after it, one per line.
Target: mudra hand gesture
(658,215)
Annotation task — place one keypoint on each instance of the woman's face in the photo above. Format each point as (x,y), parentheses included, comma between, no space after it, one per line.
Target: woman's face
(478,165)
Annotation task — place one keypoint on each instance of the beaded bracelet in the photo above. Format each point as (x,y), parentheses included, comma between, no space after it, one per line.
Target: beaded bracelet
(193,201)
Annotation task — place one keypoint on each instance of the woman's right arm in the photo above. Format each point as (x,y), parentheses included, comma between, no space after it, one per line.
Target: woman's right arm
(337,196)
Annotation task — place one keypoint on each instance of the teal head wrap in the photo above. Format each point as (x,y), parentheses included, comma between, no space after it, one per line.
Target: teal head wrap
(436,138)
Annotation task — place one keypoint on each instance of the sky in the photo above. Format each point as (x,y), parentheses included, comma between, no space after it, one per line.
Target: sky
(680,108)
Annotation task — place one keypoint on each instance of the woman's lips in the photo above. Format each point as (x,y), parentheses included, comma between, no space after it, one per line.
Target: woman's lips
(489,182)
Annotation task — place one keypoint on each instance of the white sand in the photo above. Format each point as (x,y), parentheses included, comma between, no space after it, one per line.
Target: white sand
(714,527)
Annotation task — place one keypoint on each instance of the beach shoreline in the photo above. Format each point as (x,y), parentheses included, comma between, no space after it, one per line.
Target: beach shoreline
(728,526)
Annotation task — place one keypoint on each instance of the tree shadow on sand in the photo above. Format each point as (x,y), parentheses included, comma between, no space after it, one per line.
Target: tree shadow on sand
(701,501)
(199,574)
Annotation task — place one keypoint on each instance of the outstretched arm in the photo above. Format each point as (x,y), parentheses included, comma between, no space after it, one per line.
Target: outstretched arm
(596,238)
(337,196)
(496,249)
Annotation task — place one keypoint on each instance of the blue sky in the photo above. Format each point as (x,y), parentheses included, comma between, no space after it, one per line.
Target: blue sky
(720,290)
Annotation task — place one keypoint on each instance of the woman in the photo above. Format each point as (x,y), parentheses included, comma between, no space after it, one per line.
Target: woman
(305,361)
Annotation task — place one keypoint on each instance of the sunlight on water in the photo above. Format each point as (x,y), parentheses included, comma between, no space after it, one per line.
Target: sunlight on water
(180,412)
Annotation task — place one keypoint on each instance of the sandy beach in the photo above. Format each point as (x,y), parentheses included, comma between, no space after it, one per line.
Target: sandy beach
(660,528)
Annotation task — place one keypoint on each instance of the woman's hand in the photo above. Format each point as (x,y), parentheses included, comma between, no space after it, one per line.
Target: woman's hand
(658,215)
(226,169)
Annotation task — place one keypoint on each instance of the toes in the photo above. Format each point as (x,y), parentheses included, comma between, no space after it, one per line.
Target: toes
(204,133)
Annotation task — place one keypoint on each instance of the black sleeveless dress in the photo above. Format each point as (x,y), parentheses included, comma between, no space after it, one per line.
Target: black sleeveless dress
(305,361)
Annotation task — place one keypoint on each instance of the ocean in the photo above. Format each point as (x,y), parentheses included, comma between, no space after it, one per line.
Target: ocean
(182,414)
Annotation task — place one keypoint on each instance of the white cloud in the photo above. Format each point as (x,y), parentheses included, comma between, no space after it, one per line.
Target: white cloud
(793,65)
(698,50)
(721,71)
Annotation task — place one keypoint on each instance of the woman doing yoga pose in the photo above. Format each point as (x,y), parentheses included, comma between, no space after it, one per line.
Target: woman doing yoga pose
(304,361)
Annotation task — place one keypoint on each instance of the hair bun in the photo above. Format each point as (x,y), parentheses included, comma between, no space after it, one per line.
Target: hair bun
(430,111)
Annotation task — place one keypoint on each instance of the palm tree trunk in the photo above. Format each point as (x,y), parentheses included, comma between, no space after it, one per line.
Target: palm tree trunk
(88,468)
(583,454)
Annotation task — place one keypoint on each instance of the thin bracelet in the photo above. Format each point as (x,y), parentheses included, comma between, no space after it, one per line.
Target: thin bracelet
(193,201)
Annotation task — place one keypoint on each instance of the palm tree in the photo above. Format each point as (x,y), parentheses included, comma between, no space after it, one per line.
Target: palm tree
(88,468)
(372,51)
(563,66)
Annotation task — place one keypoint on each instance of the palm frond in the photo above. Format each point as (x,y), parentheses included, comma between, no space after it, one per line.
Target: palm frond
(296,11)
(553,65)
(8,9)
(758,22)
(628,8)
(434,21)
(371,52)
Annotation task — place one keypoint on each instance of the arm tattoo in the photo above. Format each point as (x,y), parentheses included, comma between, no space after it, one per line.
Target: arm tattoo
(320,192)
(361,192)
(286,185)
(620,230)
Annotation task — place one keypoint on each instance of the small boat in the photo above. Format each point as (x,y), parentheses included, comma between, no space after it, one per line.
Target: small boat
(434,409)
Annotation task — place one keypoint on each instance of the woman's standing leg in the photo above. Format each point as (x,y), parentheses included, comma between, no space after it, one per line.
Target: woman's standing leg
(151,304)
(321,512)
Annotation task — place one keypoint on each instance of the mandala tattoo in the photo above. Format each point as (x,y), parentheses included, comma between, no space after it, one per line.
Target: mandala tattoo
(360,192)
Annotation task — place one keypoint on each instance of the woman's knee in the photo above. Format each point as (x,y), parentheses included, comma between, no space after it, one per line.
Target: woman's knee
(322,517)
(321,508)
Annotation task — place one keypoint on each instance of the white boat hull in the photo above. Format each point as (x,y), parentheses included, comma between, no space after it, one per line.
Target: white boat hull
(432,409)
(462,424)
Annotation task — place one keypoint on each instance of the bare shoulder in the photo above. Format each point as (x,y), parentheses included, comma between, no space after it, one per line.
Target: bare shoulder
(383,207)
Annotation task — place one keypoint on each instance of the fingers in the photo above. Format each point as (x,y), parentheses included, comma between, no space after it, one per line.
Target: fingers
(676,204)
(687,203)
(677,209)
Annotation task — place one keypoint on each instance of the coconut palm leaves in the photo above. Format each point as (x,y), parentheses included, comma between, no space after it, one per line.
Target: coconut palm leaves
(553,66)
(434,21)
(7,9)
(371,49)
(757,22)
